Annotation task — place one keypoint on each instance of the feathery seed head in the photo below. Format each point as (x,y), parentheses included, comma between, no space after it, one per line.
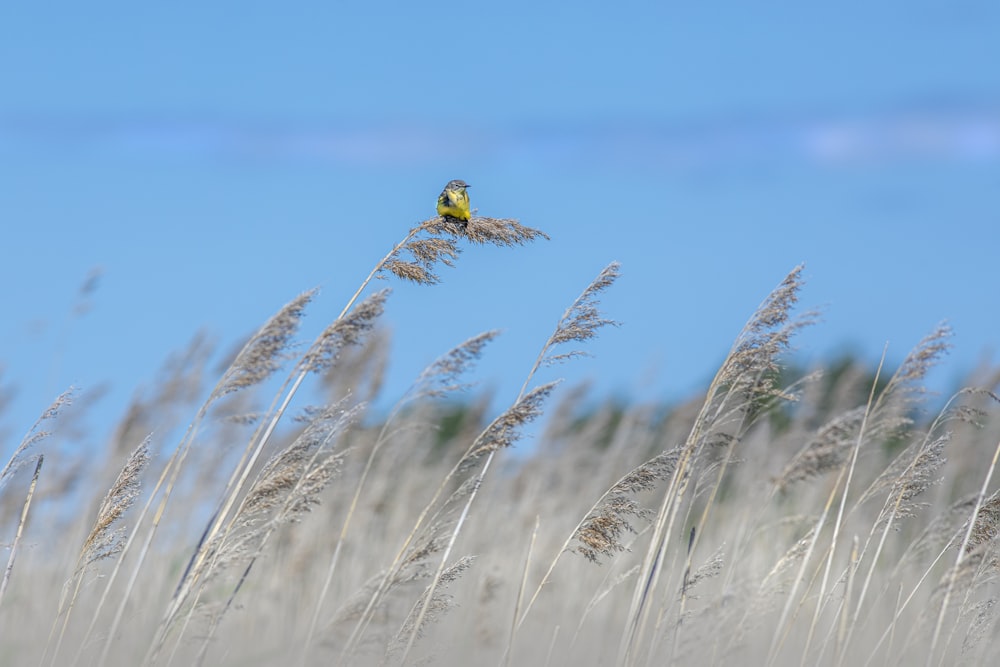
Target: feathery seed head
(348,330)
(264,353)
(582,319)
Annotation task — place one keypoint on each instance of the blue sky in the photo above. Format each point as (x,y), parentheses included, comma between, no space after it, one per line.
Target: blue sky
(213,160)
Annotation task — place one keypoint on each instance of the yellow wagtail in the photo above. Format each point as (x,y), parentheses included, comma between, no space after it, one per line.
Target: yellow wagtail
(453,202)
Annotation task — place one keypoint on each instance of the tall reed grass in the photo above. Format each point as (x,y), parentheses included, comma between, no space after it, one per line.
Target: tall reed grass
(776,519)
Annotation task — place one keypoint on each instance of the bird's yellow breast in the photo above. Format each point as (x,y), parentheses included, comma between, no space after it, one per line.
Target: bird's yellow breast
(454,203)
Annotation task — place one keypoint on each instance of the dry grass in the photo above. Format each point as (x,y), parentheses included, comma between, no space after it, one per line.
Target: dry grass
(766,522)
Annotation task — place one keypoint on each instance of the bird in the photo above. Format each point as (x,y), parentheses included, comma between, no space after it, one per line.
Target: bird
(453,202)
